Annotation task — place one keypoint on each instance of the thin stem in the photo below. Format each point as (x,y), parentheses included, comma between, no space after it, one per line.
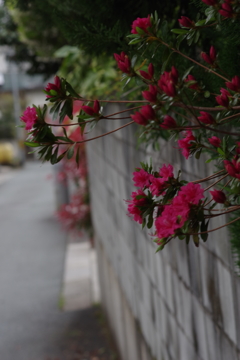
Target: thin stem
(216,182)
(229,117)
(220,227)
(223,213)
(120,112)
(208,177)
(97,137)
(192,60)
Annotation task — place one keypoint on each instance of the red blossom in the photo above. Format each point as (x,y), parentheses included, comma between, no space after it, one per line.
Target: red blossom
(142,23)
(123,62)
(168,123)
(210,2)
(191,193)
(186,22)
(233,167)
(92,110)
(148,75)
(146,113)
(151,94)
(158,185)
(218,196)
(168,80)
(226,10)
(166,171)
(186,143)
(139,200)
(192,78)
(206,118)
(141,178)
(215,141)
(222,100)
(211,58)
(56,87)
(234,85)
(29,117)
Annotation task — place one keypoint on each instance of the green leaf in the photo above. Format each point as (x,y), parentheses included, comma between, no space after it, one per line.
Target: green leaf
(161,247)
(66,110)
(135,41)
(70,151)
(49,153)
(140,31)
(72,91)
(187,72)
(150,221)
(198,153)
(77,156)
(221,152)
(179,31)
(54,156)
(31,144)
(196,240)
(180,38)
(207,94)
(200,22)
(197,36)
(204,227)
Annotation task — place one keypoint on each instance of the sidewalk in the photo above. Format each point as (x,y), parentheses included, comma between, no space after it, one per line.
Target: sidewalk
(32,256)
(80,281)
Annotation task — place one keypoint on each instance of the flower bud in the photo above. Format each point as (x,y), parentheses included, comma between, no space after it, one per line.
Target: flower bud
(186,22)
(168,123)
(206,118)
(218,196)
(226,10)
(215,141)
(210,2)
(234,85)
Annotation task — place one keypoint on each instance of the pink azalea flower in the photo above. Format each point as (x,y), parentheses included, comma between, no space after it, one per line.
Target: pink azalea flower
(142,23)
(186,143)
(56,87)
(135,204)
(141,178)
(157,186)
(166,171)
(191,193)
(29,117)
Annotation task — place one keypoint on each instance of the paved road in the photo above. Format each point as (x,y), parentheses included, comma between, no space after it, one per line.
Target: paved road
(32,248)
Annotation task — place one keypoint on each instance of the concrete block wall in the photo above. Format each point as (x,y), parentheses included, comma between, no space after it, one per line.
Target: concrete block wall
(179,304)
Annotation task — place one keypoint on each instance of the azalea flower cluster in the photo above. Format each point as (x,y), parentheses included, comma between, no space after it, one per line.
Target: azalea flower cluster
(170,213)
(172,106)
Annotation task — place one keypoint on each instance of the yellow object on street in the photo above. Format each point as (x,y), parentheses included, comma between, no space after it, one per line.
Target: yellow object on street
(7,153)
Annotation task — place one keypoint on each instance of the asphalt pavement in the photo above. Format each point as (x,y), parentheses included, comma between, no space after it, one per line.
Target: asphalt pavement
(32,252)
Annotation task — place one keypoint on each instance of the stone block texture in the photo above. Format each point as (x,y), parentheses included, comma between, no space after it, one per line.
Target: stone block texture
(179,304)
